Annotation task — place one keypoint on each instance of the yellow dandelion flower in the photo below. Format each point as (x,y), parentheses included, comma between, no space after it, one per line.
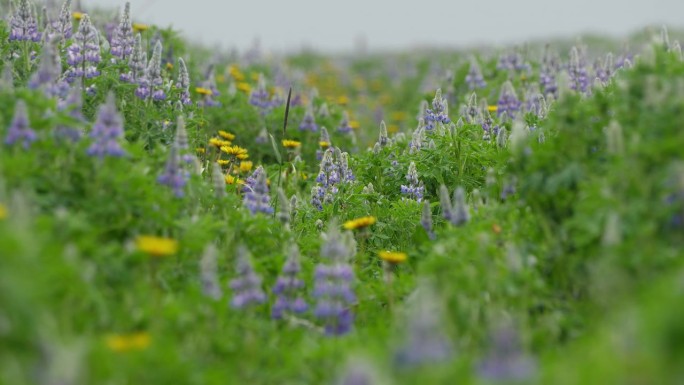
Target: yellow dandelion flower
(492,108)
(303,176)
(244,87)
(359,223)
(288,143)
(3,211)
(156,246)
(242,156)
(398,115)
(169,66)
(323,144)
(203,91)
(216,142)
(354,124)
(128,342)
(235,72)
(246,166)
(234,150)
(226,135)
(393,257)
(232,180)
(77,15)
(140,27)
(343,100)
(200,150)
(223,162)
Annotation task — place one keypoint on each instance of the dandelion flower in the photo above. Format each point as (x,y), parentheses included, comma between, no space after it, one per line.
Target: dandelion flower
(128,342)
(287,143)
(393,257)
(226,135)
(359,223)
(246,166)
(3,211)
(139,27)
(203,91)
(156,246)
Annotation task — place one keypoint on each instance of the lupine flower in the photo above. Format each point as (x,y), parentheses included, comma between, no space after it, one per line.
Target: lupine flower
(577,70)
(122,41)
(23,24)
(445,202)
(414,189)
(333,281)
(383,139)
(288,287)
(324,112)
(344,126)
(426,343)
(247,285)
(137,62)
(508,188)
(317,197)
(107,131)
(323,143)
(174,176)
(439,113)
(459,213)
(63,24)
(474,78)
(334,170)
(284,209)
(359,372)
(209,84)
(259,96)
(48,75)
(488,127)
(345,171)
(19,130)
(150,84)
(256,197)
(183,83)
(208,273)
(506,361)
(426,219)
(417,138)
(509,103)
(7,79)
(217,180)
(83,54)
(309,121)
(73,102)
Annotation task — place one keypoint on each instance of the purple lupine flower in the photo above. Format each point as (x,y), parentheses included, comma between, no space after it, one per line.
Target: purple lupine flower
(247,285)
(359,372)
(488,126)
(218,181)
(577,69)
(150,84)
(445,203)
(383,138)
(284,210)
(317,196)
(288,287)
(474,78)
(208,273)
(439,113)
(107,131)
(344,126)
(426,219)
(174,176)
(414,189)
(425,343)
(309,121)
(506,361)
(259,96)
(323,143)
(459,211)
(183,83)
(74,103)
(182,142)
(137,62)
(7,78)
(333,281)
(48,75)
(83,54)
(256,197)
(210,84)
(250,181)
(324,112)
(417,138)
(534,100)
(334,170)
(508,103)
(20,129)
(63,24)
(604,70)
(508,188)
(23,24)
(122,41)
(343,162)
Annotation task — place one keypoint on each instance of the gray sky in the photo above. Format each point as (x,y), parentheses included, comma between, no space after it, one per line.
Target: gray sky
(334,25)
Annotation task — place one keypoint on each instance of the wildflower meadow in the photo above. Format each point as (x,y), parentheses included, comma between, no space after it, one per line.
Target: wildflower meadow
(173,214)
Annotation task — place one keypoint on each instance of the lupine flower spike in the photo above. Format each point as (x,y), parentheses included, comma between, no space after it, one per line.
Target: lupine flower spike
(344,126)
(123,41)
(137,62)
(48,76)
(439,113)
(150,85)
(107,131)
(506,361)
(579,78)
(19,130)
(426,219)
(333,281)
(474,78)
(288,288)
(183,83)
(23,24)
(284,209)
(257,198)
(323,143)
(63,25)
(208,273)
(259,96)
(414,189)
(83,55)
(309,121)
(218,180)
(174,176)
(459,213)
(509,103)
(246,285)
(73,102)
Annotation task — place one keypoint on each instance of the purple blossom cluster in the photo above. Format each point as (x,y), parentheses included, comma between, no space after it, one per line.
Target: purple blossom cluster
(439,113)
(137,62)
(577,69)
(83,55)
(107,131)
(289,287)
(123,41)
(309,121)
(455,212)
(183,83)
(209,83)
(414,189)
(333,280)
(334,171)
(508,103)
(20,129)
(73,103)
(174,176)
(247,285)
(151,82)
(506,360)
(48,77)
(474,78)
(256,193)
(260,98)
(344,126)
(23,24)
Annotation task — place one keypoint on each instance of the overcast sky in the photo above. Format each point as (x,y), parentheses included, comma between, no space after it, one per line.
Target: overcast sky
(335,25)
